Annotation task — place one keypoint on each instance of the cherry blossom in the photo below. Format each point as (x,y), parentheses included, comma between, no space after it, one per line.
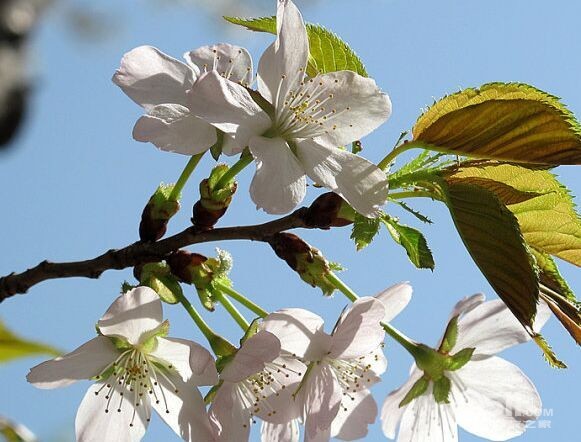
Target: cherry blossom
(135,368)
(257,381)
(296,128)
(488,396)
(159,83)
(341,366)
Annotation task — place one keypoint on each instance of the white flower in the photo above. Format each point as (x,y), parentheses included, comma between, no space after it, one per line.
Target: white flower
(301,127)
(256,382)
(159,83)
(488,397)
(341,366)
(136,369)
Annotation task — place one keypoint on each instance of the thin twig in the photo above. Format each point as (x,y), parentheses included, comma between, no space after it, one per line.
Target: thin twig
(143,252)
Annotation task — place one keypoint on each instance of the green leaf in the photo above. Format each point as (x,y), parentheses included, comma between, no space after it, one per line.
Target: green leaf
(423,218)
(419,388)
(504,121)
(548,352)
(328,53)
(492,236)
(412,241)
(441,390)
(15,432)
(14,347)
(364,230)
(546,212)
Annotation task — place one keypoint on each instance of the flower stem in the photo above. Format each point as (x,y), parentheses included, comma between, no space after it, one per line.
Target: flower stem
(185,175)
(232,310)
(401,339)
(342,287)
(412,194)
(217,342)
(387,160)
(249,304)
(245,160)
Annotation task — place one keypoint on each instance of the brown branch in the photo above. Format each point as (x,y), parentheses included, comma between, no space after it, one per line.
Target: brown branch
(142,252)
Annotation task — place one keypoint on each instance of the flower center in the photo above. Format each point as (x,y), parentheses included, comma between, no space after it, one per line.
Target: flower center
(256,392)
(309,110)
(134,379)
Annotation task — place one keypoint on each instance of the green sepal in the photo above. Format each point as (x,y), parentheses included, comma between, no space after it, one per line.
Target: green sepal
(212,393)
(216,149)
(222,348)
(223,361)
(210,194)
(441,390)
(207,299)
(162,207)
(460,359)
(126,287)
(158,277)
(149,339)
(418,389)
(450,336)
(252,330)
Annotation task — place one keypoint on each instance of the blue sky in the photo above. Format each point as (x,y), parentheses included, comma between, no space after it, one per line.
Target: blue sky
(75,182)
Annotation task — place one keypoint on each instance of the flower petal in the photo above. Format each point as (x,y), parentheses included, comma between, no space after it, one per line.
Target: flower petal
(287,56)
(150,77)
(94,424)
(256,350)
(279,183)
(467,304)
(193,362)
(187,415)
(229,107)
(321,397)
(361,183)
(171,127)
(229,416)
(357,411)
(87,361)
(132,314)
(358,331)
(232,62)
(287,432)
(395,299)
(491,327)
(300,332)
(391,412)
(354,107)
(496,399)
(426,420)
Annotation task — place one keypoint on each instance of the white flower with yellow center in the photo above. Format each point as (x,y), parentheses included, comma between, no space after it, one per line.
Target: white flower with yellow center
(304,123)
(257,381)
(136,368)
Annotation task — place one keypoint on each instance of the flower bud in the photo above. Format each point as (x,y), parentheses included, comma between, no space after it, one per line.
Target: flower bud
(329,210)
(304,259)
(213,202)
(156,214)
(189,267)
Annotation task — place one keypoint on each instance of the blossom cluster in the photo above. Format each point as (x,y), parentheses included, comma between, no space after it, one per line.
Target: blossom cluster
(288,372)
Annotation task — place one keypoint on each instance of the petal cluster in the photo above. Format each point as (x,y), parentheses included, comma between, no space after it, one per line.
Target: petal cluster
(137,369)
